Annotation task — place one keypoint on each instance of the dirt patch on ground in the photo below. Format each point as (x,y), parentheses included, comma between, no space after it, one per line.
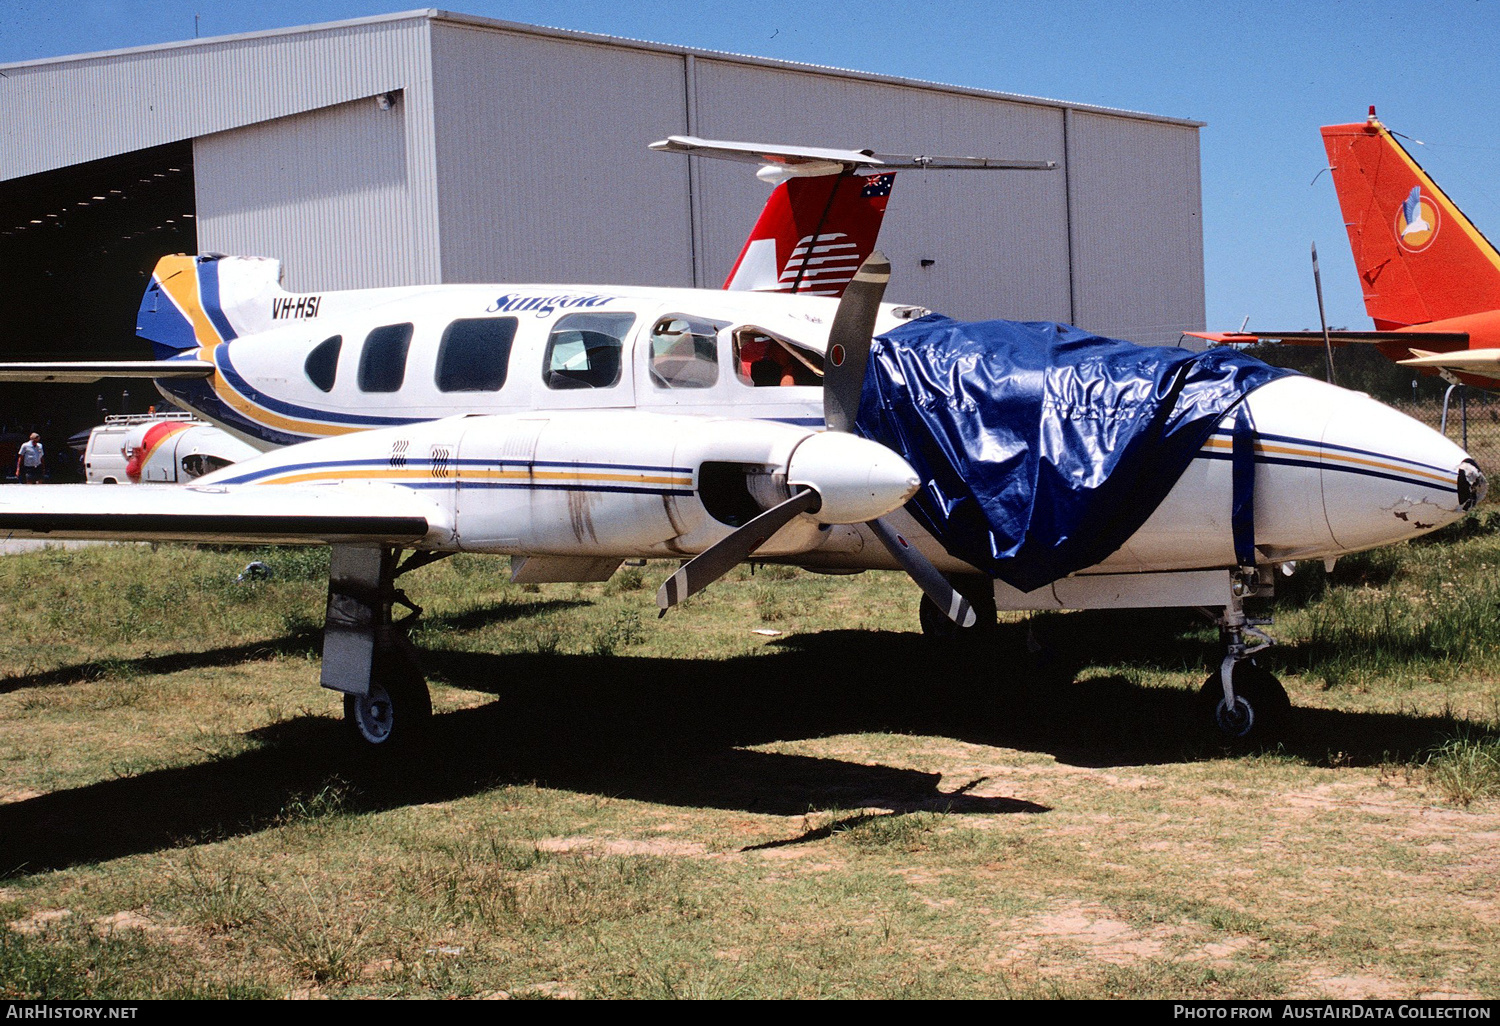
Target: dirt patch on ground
(1353,987)
(120,922)
(1090,929)
(39,921)
(548,989)
(623,846)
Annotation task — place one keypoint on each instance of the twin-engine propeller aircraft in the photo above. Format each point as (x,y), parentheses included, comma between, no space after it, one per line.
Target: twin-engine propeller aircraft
(1431,280)
(575,427)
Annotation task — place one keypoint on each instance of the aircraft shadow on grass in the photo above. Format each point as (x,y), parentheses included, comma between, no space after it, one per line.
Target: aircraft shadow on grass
(677,731)
(299,643)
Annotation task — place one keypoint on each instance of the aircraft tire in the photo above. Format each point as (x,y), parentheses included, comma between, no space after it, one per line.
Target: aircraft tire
(1262,708)
(394,715)
(937,626)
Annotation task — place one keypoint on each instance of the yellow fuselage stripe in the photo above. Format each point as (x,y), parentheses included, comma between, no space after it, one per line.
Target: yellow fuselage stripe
(460,474)
(1225,445)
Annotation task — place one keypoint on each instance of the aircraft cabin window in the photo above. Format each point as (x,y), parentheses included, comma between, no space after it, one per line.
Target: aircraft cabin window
(382,363)
(761,360)
(684,352)
(323,362)
(584,350)
(474,354)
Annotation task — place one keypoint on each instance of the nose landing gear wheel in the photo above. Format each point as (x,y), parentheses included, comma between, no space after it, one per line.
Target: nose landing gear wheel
(1261,706)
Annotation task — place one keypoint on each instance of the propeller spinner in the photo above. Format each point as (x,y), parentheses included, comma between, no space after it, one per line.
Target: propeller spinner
(842,478)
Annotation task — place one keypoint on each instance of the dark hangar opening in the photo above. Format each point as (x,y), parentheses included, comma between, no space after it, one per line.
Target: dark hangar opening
(78,245)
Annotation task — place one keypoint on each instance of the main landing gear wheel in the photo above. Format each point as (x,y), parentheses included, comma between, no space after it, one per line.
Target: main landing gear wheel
(935,622)
(1261,706)
(395,712)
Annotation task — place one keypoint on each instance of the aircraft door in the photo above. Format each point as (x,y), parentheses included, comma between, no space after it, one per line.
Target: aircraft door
(159,462)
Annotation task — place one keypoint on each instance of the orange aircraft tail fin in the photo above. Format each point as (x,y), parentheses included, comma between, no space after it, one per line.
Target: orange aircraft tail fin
(1419,258)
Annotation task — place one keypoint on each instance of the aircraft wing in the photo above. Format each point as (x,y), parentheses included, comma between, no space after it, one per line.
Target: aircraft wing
(311,514)
(1455,339)
(1484,363)
(95,370)
(814,158)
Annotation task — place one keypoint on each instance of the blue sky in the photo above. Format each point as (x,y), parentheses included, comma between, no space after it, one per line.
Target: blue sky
(1263,76)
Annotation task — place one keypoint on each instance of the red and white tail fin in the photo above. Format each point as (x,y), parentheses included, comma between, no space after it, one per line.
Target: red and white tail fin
(1419,258)
(824,215)
(813,234)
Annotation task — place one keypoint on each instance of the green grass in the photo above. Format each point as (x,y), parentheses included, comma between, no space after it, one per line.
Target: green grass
(619,806)
(1466,768)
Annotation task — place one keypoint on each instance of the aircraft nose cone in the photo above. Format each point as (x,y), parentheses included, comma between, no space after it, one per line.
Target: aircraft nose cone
(1387,477)
(857,479)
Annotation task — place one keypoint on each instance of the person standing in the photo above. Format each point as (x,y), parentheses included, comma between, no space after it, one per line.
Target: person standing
(29,460)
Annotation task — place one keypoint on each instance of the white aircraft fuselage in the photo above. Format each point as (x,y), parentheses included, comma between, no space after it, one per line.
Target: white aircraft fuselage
(543,453)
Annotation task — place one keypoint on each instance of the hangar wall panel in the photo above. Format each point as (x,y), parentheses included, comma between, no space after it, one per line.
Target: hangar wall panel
(135,99)
(544,174)
(1137,227)
(997,238)
(521,155)
(325,192)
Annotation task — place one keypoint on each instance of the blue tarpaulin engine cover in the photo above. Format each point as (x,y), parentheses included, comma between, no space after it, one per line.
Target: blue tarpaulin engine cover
(1041,447)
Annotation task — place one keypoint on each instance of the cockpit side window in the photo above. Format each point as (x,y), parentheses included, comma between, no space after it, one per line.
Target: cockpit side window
(584,350)
(322,364)
(684,352)
(382,362)
(760,360)
(474,354)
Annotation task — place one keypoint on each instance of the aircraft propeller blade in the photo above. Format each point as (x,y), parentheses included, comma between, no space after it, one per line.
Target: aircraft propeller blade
(849,342)
(933,584)
(733,549)
(848,354)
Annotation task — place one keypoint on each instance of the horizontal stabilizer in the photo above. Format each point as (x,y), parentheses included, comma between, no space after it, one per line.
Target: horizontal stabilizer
(818,160)
(1484,363)
(250,514)
(97,370)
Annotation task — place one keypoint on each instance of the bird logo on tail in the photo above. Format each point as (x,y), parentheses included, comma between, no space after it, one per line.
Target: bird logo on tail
(1416,221)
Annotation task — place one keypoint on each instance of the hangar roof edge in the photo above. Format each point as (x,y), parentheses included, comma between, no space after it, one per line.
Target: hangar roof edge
(435,14)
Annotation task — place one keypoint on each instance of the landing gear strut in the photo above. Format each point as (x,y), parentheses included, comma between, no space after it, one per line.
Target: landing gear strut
(366,653)
(1245,701)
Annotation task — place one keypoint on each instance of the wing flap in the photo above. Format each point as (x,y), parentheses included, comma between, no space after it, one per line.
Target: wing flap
(83,372)
(249,514)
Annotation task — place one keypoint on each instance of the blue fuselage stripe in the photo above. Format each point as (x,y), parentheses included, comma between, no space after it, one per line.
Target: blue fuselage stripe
(421,462)
(286,409)
(208,294)
(1338,467)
